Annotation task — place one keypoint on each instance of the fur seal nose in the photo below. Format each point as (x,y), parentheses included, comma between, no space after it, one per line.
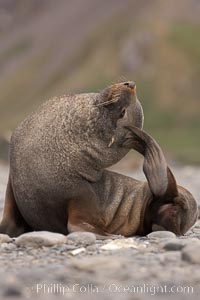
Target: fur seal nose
(130,84)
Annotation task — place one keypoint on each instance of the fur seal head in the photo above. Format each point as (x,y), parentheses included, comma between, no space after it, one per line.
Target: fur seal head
(179,215)
(121,102)
(97,123)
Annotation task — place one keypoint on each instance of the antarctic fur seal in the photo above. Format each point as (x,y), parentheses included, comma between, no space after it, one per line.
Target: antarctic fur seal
(58,180)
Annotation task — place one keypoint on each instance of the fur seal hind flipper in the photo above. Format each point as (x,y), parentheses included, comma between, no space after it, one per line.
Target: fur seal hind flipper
(12,222)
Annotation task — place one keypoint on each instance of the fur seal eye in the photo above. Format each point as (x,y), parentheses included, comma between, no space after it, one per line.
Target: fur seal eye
(122,113)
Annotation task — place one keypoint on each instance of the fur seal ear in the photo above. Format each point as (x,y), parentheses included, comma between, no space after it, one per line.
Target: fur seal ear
(159,176)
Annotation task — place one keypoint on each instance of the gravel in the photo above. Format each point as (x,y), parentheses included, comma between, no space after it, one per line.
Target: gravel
(48,266)
(191,253)
(4,238)
(82,238)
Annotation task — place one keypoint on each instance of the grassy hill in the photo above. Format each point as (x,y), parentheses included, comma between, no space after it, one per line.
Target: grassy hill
(55,47)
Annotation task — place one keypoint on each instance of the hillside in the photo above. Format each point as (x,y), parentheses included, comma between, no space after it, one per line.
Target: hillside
(52,47)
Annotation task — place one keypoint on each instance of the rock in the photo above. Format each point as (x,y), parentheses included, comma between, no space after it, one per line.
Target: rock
(64,248)
(93,248)
(12,292)
(82,238)
(11,287)
(4,238)
(191,253)
(41,238)
(8,246)
(178,244)
(173,245)
(122,244)
(77,251)
(161,235)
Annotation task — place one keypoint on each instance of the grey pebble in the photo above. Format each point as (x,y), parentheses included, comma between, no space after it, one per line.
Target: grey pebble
(40,238)
(82,238)
(161,235)
(191,253)
(64,248)
(176,244)
(12,292)
(8,246)
(173,246)
(93,247)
